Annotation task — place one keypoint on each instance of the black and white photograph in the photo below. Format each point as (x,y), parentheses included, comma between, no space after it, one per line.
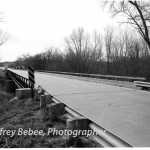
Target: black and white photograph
(74,74)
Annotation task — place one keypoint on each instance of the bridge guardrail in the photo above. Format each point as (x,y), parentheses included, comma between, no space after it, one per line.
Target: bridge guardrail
(142,84)
(20,82)
(108,77)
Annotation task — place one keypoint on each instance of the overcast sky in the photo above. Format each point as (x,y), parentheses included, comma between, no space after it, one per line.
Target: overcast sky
(34,25)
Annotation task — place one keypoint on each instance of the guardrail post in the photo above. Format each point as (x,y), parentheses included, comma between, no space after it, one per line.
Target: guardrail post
(39,93)
(44,100)
(54,110)
(79,124)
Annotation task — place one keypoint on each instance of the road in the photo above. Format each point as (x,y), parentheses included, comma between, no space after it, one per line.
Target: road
(124,112)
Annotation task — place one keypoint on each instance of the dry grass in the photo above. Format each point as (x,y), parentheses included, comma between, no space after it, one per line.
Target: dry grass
(25,113)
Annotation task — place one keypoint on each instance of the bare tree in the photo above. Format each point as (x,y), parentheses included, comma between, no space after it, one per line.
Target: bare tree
(108,38)
(96,46)
(3,37)
(77,47)
(137,14)
(96,53)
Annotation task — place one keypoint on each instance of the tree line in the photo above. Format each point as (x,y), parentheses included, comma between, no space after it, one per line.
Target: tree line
(115,52)
(122,53)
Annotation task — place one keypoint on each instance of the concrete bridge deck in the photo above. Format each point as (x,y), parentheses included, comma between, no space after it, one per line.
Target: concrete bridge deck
(124,112)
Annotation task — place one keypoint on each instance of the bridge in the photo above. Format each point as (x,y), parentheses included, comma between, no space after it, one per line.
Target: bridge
(124,112)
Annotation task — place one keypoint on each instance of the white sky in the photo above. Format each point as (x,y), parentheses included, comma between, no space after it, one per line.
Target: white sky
(34,25)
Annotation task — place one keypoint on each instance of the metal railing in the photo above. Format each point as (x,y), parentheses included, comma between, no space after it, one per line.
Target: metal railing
(142,84)
(20,82)
(107,77)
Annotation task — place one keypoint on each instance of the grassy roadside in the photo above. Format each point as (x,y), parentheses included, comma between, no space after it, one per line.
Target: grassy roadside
(25,114)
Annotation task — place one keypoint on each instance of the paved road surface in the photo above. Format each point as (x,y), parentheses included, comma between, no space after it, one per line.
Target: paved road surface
(124,112)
